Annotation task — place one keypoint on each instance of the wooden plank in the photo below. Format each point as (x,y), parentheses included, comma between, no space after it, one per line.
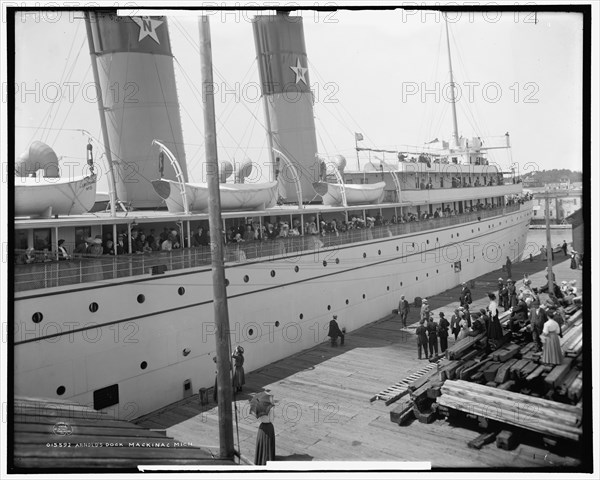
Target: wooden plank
(558,373)
(504,371)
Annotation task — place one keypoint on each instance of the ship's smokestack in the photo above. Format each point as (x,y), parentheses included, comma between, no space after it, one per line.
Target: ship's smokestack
(137,78)
(285,83)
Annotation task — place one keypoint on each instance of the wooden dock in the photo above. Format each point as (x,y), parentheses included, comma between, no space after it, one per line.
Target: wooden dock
(324,410)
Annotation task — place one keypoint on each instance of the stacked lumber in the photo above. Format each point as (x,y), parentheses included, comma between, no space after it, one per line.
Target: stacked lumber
(571,341)
(398,390)
(547,417)
(461,347)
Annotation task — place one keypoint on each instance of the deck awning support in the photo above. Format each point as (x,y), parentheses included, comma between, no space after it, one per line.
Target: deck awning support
(178,173)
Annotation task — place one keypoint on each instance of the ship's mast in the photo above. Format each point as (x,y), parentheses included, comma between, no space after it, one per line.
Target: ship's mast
(452,97)
(112,189)
(224,393)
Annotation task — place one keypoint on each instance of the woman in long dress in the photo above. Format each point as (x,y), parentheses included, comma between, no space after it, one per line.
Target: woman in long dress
(464,329)
(552,353)
(494,329)
(239,378)
(265,440)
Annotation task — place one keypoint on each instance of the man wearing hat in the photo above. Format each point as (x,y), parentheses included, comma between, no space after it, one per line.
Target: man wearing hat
(62,251)
(82,248)
(511,291)
(403,309)
(508,267)
(335,332)
(465,296)
(443,326)
(425,310)
(422,340)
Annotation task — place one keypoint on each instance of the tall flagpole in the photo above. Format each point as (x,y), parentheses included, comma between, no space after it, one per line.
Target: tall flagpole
(224,393)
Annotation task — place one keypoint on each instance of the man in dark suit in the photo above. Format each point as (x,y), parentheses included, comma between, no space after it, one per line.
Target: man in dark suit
(422,340)
(403,309)
(335,332)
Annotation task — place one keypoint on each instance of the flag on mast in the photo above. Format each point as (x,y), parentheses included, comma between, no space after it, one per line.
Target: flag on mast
(358,137)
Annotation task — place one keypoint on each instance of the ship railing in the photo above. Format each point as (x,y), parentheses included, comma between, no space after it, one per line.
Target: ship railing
(48,273)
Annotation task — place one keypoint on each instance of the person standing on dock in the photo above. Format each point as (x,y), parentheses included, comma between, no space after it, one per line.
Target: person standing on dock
(494,330)
(335,332)
(564,248)
(443,332)
(239,378)
(544,253)
(425,310)
(422,340)
(511,291)
(403,309)
(508,267)
(552,353)
(455,323)
(465,296)
(432,332)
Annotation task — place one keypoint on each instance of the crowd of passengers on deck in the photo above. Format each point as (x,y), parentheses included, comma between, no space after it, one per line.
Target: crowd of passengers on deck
(170,238)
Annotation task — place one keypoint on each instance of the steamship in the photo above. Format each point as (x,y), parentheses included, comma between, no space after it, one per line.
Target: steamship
(133,330)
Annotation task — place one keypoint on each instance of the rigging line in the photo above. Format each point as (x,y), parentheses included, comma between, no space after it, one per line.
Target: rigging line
(195,92)
(427,122)
(196,46)
(49,114)
(71,106)
(314,70)
(68,77)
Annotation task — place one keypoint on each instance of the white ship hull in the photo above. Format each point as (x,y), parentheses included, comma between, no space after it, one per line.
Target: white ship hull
(42,196)
(237,196)
(271,317)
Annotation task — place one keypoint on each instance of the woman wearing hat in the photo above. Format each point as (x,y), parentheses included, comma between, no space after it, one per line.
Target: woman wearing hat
(239,378)
(96,249)
(494,328)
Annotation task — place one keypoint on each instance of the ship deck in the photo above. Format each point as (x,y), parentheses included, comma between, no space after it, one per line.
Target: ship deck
(323,410)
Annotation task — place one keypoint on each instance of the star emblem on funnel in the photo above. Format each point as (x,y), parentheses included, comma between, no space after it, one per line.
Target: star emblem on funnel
(148,27)
(300,71)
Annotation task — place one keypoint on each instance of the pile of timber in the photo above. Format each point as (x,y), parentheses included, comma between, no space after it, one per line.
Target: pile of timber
(571,341)
(508,370)
(547,417)
(460,348)
(398,390)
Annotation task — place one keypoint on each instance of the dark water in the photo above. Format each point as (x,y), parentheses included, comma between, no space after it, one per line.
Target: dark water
(537,238)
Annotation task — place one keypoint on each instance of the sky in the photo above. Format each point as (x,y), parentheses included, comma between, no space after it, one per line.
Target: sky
(382,73)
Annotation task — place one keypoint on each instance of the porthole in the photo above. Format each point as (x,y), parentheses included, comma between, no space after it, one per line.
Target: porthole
(181,290)
(250,331)
(277,323)
(141,298)
(272,273)
(246,278)
(301,316)
(427,275)
(378,252)
(413,244)
(364,296)
(93,307)
(37,317)
(397,248)
(388,288)
(226,282)
(347,301)
(437,239)
(61,390)
(337,260)
(437,271)
(400,283)
(478,229)
(144,365)
(472,231)
(364,255)
(451,235)
(458,234)
(427,241)
(324,263)
(417,279)
(296,269)
(328,307)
